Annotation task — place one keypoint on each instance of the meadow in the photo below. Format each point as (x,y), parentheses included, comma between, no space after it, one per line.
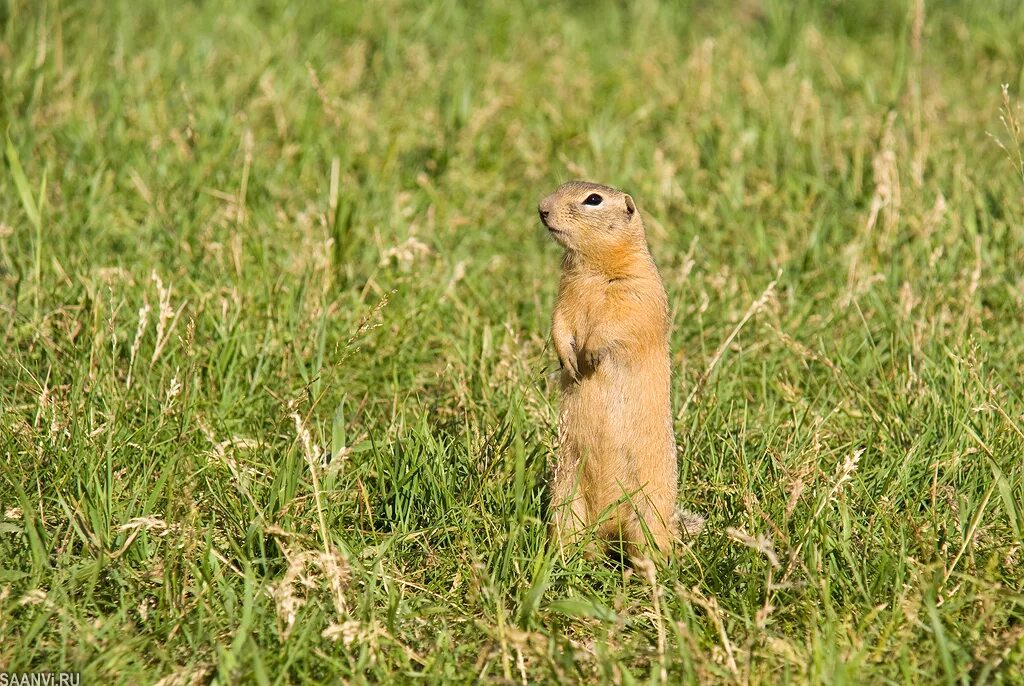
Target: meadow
(277,396)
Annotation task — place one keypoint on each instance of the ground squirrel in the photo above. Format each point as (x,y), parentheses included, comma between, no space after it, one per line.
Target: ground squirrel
(616,464)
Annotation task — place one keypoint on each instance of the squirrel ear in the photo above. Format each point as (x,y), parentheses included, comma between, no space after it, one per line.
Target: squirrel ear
(630,207)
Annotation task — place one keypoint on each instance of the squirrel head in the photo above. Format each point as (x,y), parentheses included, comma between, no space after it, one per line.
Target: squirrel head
(594,222)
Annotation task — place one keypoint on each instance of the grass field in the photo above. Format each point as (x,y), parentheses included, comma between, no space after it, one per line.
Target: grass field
(276,391)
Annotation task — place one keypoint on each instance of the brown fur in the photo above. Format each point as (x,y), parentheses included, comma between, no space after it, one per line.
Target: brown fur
(616,465)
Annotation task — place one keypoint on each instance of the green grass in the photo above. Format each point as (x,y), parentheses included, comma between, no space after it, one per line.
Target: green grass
(276,395)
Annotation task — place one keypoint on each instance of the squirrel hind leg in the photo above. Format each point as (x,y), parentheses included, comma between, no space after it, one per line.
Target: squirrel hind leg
(570,528)
(569,519)
(648,532)
(568,511)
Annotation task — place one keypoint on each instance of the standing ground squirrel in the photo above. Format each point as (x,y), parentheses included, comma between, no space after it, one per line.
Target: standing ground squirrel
(616,465)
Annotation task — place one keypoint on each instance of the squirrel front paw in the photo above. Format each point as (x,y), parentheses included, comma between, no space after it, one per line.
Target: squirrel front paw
(569,361)
(592,357)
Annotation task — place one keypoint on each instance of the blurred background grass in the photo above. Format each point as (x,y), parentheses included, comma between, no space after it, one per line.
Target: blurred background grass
(274,306)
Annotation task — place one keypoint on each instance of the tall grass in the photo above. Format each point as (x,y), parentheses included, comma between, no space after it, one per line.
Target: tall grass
(276,397)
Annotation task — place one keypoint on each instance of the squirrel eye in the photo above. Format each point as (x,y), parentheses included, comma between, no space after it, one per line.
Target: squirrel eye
(593,200)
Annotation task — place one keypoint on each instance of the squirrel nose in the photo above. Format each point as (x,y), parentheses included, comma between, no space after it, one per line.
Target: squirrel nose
(543,214)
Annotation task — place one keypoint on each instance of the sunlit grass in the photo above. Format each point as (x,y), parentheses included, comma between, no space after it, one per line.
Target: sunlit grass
(276,396)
